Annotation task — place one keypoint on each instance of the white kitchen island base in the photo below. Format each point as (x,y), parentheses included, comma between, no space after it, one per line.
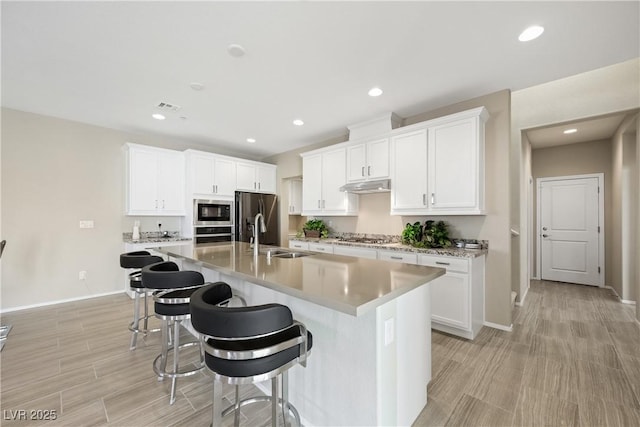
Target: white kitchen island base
(363,371)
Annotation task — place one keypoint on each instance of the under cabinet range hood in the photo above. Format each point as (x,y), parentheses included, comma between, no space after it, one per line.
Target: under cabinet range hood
(365,187)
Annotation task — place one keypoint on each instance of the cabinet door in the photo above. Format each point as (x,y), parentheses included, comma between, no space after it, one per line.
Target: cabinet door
(311,184)
(202,174)
(450,300)
(143,182)
(356,163)
(453,166)
(246,177)
(409,173)
(224,177)
(170,183)
(334,176)
(266,179)
(295,197)
(378,159)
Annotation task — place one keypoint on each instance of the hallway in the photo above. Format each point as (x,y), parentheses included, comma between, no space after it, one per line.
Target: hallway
(573,358)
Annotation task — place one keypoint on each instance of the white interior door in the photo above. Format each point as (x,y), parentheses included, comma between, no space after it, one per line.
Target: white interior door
(569,230)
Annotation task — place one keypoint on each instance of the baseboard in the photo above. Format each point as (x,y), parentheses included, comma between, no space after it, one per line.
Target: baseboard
(534,278)
(521,302)
(498,326)
(62,301)
(624,301)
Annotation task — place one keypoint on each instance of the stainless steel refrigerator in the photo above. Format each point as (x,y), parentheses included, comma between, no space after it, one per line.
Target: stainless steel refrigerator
(247,206)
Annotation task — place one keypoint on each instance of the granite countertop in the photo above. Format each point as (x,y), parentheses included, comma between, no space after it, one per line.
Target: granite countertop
(347,284)
(451,251)
(154,237)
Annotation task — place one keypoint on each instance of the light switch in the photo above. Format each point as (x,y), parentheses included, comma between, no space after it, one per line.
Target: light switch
(86,224)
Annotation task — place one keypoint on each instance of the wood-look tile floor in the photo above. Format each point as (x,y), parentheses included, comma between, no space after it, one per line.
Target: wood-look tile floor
(573,358)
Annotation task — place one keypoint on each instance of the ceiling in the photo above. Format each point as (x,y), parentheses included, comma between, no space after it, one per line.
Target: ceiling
(111,63)
(592,129)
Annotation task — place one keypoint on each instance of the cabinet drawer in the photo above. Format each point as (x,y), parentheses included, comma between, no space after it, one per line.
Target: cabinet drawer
(357,252)
(295,244)
(319,247)
(398,257)
(450,263)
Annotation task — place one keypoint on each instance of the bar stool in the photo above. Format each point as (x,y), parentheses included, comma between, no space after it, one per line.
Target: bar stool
(172,291)
(246,345)
(138,260)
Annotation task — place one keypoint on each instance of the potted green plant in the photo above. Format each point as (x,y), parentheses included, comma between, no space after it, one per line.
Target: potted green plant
(315,228)
(430,235)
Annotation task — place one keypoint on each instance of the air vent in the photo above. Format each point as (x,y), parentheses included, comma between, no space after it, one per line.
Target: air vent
(165,106)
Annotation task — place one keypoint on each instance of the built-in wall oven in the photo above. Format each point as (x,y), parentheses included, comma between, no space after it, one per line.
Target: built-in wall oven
(212,221)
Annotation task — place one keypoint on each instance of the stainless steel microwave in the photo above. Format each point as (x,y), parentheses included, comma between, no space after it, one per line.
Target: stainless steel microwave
(212,212)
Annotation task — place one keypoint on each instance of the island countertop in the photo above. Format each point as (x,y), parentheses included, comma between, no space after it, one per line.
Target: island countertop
(347,284)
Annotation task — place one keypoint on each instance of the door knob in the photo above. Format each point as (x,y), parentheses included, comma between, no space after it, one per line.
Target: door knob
(545,235)
(544,228)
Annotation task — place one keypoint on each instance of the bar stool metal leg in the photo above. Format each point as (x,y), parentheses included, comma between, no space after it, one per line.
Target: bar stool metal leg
(176,347)
(135,326)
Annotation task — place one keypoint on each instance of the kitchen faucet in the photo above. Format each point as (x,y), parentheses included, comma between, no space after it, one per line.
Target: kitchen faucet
(256,232)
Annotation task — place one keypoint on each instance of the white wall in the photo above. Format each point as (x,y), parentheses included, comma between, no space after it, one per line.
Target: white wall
(54,174)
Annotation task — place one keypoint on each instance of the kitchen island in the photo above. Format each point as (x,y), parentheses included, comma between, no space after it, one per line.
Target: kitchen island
(371,359)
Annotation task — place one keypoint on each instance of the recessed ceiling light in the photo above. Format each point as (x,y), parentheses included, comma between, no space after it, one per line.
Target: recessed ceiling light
(533,32)
(251,140)
(236,50)
(298,122)
(158,116)
(375,91)
(197,86)
(568,131)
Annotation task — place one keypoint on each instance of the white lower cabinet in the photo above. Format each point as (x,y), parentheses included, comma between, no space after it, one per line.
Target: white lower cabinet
(321,247)
(297,244)
(355,251)
(457,298)
(397,256)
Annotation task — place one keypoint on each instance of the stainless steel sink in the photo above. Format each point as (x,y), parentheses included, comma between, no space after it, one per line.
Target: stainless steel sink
(290,255)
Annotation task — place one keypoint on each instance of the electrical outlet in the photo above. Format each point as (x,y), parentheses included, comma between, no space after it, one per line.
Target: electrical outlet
(82,275)
(86,223)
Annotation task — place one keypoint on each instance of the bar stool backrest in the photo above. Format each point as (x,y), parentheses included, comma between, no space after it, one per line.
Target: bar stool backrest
(167,275)
(138,259)
(235,322)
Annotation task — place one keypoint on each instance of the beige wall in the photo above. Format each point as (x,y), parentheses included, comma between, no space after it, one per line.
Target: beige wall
(374,215)
(624,212)
(578,159)
(637,261)
(54,174)
(603,91)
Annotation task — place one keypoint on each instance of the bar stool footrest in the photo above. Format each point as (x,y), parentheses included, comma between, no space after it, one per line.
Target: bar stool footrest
(292,409)
(181,372)
(142,330)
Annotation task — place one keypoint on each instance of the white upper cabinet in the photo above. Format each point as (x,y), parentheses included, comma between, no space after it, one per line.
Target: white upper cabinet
(409,172)
(456,167)
(323,173)
(437,167)
(210,175)
(155,181)
(295,197)
(368,160)
(258,177)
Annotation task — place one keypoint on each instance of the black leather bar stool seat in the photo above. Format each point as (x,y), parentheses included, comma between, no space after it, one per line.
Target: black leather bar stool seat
(138,260)
(246,345)
(172,292)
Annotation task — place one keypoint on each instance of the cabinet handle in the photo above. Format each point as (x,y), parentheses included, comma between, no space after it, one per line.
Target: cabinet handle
(156,204)
(162,204)
(424,199)
(318,204)
(258,186)
(323,204)
(433,198)
(363,171)
(396,257)
(442,263)
(320,249)
(369,170)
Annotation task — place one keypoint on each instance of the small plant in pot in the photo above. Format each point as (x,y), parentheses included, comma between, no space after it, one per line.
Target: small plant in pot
(315,228)
(430,235)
